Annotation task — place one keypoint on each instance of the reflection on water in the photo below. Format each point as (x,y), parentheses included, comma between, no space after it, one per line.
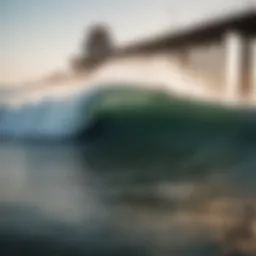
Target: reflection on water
(112,200)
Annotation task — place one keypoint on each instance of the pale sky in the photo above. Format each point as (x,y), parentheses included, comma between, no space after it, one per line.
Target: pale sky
(39,36)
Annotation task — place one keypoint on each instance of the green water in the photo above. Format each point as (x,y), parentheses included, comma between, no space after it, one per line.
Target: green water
(152,176)
(161,136)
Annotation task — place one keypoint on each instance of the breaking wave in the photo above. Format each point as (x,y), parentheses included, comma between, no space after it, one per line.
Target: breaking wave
(63,109)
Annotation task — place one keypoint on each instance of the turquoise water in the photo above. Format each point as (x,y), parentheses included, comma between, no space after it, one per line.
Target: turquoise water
(150,176)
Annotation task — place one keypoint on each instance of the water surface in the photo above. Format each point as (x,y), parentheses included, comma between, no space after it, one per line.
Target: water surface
(161,179)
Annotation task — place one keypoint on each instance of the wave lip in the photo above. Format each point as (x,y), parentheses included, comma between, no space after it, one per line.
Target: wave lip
(48,118)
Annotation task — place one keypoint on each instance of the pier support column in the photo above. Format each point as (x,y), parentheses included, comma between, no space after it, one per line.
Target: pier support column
(237,66)
(253,68)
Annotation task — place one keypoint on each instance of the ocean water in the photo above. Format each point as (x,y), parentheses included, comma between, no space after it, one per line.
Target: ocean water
(151,175)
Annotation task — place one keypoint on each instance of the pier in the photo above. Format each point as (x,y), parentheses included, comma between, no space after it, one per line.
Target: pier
(220,51)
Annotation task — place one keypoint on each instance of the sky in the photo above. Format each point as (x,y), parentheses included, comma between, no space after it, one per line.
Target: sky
(40,36)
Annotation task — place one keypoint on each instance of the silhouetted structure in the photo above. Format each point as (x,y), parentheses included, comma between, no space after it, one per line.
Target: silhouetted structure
(98,43)
(96,47)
